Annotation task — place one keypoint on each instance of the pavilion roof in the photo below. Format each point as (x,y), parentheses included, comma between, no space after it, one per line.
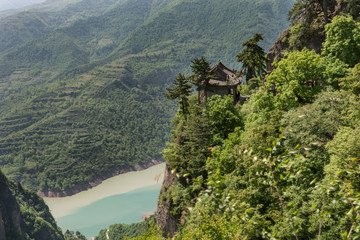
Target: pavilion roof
(226,76)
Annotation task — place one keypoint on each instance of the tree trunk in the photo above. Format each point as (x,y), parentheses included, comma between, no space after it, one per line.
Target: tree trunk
(325,8)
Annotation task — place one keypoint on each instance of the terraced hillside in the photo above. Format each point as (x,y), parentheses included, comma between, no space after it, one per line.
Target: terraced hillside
(87,98)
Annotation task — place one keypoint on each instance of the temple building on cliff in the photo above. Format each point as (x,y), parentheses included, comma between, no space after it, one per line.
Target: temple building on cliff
(225,82)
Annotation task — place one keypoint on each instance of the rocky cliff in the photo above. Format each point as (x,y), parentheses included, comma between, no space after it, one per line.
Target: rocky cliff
(24,215)
(308,31)
(11,225)
(164,218)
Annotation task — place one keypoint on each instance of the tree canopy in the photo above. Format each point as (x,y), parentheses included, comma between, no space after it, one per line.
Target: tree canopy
(181,91)
(284,165)
(297,78)
(343,40)
(252,58)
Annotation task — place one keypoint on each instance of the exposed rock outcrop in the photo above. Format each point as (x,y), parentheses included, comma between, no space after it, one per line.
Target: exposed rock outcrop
(2,227)
(165,220)
(10,224)
(24,215)
(276,51)
(82,187)
(311,39)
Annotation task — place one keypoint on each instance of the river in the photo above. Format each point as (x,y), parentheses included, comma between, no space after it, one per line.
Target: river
(121,199)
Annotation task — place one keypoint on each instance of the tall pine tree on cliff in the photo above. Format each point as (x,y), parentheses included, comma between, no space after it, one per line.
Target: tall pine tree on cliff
(252,58)
(181,90)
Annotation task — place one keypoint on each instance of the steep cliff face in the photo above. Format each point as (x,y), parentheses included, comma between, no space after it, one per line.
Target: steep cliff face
(165,220)
(308,31)
(2,227)
(10,222)
(276,51)
(24,215)
(282,45)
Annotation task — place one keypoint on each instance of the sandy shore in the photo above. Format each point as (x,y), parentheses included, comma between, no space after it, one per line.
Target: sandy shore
(147,215)
(85,186)
(123,183)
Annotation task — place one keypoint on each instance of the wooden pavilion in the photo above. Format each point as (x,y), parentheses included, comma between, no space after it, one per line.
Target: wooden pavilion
(225,82)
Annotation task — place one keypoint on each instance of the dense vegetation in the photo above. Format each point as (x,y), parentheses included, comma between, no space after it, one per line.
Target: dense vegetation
(125,231)
(82,82)
(70,235)
(284,165)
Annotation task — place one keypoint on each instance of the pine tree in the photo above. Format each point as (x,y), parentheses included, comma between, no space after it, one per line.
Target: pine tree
(181,90)
(201,69)
(252,58)
(308,10)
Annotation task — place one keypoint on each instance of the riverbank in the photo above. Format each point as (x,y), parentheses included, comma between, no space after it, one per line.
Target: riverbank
(123,183)
(83,187)
(124,208)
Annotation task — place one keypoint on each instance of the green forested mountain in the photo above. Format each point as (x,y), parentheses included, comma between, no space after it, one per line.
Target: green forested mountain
(124,231)
(286,163)
(83,94)
(37,21)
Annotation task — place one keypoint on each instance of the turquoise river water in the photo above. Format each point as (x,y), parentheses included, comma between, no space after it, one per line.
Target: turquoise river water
(122,199)
(123,208)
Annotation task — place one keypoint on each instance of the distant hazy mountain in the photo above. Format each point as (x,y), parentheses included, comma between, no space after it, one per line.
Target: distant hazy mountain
(82,84)
(14,4)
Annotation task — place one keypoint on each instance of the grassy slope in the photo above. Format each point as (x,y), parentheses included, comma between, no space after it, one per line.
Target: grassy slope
(66,124)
